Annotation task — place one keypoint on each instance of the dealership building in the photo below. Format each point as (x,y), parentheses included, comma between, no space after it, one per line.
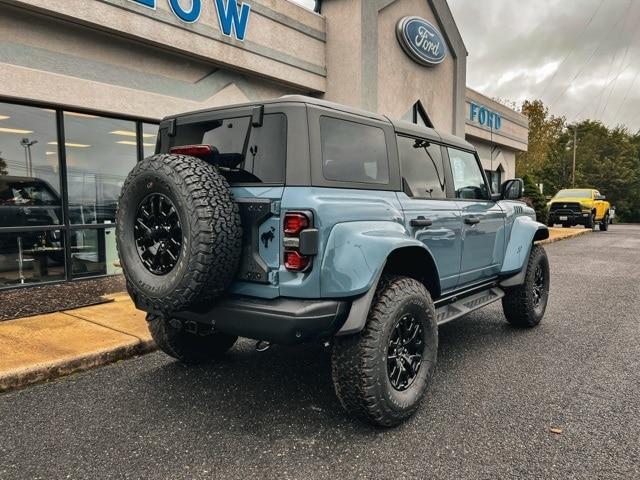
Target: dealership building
(85,84)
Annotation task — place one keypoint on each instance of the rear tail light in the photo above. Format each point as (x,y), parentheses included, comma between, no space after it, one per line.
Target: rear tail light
(203,152)
(296,262)
(295,224)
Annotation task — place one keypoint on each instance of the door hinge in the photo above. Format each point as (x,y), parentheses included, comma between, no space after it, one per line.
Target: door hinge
(275,207)
(273,277)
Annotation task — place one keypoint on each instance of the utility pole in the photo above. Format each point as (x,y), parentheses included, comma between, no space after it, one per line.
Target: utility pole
(27,144)
(575,141)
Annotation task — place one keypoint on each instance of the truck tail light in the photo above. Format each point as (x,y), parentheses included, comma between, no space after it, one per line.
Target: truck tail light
(296,228)
(204,152)
(296,262)
(294,223)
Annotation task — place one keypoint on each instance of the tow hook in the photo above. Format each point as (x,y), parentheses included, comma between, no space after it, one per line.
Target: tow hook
(262,345)
(187,325)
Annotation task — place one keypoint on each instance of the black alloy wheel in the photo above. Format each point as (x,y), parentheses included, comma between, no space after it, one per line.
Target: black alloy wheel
(404,355)
(158,233)
(539,285)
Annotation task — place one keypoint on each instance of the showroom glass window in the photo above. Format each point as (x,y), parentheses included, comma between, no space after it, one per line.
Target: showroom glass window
(29,167)
(30,197)
(149,136)
(100,152)
(42,238)
(422,168)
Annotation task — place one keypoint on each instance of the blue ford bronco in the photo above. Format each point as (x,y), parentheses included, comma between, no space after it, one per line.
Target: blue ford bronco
(299,220)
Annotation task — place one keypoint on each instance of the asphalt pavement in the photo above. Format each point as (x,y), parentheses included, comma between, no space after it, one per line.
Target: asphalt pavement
(495,399)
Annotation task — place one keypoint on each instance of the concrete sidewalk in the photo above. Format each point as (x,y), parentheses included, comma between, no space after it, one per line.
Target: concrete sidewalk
(556,234)
(42,347)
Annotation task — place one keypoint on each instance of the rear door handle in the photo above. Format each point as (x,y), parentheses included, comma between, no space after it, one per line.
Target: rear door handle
(421,222)
(471,220)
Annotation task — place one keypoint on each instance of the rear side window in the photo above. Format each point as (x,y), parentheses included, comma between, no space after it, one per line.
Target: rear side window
(266,151)
(353,152)
(422,168)
(467,176)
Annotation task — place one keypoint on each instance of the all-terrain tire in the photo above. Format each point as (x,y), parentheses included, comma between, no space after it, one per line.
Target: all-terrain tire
(591,222)
(359,363)
(519,303)
(211,239)
(604,224)
(192,348)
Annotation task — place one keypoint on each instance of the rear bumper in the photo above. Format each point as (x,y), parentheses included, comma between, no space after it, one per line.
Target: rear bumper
(280,320)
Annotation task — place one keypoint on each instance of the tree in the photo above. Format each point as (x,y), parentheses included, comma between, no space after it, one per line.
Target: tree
(544,131)
(607,159)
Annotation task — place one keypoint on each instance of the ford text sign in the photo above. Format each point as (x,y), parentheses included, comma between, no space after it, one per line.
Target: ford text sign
(484,116)
(421,41)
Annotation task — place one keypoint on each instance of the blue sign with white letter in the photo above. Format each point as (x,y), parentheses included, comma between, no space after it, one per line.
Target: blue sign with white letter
(232,20)
(484,116)
(421,41)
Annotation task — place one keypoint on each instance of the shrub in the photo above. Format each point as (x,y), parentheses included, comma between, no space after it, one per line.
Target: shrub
(535,199)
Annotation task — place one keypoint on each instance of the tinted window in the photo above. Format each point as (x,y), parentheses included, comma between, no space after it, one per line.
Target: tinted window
(467,176)
(574,194)
(353,152)
(422,170)
(266,151)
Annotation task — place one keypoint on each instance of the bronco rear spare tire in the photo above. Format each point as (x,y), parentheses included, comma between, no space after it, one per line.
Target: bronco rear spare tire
(178,233)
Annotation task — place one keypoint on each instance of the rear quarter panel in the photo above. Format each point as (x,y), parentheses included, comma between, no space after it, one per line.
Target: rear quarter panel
(357,230)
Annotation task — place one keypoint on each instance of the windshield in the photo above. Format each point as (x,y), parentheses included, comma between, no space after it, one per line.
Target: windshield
(573,193)
(27,193)
(265,157)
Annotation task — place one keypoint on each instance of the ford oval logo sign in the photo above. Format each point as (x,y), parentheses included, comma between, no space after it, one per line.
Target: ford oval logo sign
(421,41)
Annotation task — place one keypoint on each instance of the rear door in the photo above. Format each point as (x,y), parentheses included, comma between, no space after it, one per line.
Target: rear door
(428,214)
(483,221)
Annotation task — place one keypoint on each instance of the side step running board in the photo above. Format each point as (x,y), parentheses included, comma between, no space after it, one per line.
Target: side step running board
(461,307)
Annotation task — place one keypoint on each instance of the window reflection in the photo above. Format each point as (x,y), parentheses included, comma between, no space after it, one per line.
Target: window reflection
(100,153)
(93,252)
(31,257)
(29,167)
(149,136)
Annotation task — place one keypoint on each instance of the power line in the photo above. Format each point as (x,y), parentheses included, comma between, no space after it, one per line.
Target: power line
(626,95)
(584,65)
(588,24)
(626,51)
(610,75)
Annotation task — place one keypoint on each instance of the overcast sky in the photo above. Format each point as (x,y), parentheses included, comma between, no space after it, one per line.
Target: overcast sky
(581,57)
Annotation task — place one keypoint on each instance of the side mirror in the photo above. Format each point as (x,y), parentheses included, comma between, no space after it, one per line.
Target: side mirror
(512,189)
(600,197)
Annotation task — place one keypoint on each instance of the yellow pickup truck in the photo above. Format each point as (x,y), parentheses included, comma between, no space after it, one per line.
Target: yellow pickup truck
(579,206)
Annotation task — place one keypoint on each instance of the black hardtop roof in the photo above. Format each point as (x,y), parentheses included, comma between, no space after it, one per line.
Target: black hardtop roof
(402,127)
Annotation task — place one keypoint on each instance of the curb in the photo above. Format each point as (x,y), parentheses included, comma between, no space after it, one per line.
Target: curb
(49,371)
(573,234)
